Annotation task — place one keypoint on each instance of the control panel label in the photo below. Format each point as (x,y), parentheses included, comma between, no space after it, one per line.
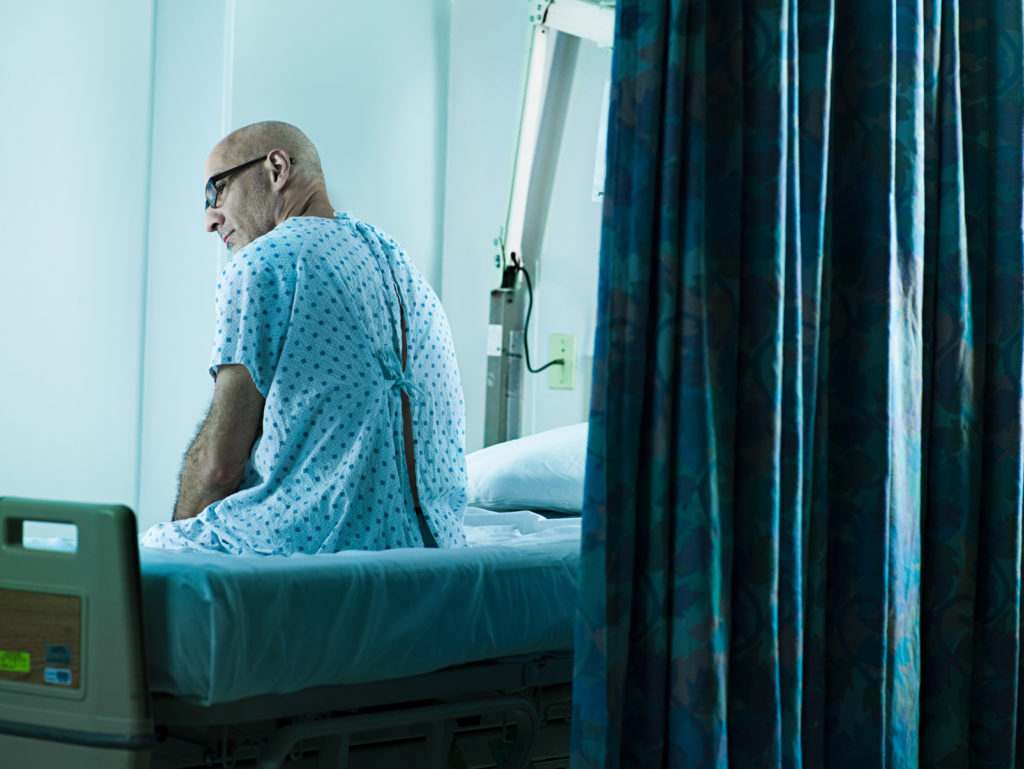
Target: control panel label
(60,676)
(58,653)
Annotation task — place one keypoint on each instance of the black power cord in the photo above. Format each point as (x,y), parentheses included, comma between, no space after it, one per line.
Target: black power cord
(508,280)
(526,325)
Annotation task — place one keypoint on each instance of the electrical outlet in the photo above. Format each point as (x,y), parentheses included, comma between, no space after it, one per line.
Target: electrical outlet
(563,376)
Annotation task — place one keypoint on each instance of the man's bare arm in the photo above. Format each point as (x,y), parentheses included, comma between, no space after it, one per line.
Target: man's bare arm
(215,461)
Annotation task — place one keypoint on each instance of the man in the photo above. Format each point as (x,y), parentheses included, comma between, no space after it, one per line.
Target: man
(337,419)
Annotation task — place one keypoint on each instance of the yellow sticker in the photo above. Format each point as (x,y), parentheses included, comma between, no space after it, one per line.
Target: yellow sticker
(15,662)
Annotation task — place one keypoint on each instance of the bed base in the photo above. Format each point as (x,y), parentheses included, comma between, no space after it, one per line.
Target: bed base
(502,713)
(73,689)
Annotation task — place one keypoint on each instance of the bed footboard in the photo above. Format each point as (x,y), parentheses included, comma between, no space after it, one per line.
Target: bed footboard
(72,675)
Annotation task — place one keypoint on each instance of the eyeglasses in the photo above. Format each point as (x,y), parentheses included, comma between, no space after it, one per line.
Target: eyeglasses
(212,192)
(211,184)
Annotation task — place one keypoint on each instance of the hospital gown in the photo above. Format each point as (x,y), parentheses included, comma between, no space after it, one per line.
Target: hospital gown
(312,310)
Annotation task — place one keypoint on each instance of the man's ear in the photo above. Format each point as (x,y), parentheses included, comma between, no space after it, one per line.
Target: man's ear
(281,167)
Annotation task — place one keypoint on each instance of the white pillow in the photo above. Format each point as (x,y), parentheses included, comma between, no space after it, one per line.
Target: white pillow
(539,472)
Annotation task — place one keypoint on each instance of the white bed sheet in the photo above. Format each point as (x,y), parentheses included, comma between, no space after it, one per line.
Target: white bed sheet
(225,627)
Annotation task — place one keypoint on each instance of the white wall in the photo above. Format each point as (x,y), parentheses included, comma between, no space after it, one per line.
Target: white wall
(189,99)
(75,85)
(488,56)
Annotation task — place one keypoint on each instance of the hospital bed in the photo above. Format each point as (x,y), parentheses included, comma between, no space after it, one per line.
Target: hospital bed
(112,656)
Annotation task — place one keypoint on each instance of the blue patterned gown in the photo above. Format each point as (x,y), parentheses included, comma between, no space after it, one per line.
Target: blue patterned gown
(312,310)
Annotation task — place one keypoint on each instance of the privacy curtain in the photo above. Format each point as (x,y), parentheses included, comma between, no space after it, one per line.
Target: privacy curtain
(802,525)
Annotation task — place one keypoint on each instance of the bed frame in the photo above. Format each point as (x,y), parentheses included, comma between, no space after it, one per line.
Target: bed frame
(73,689)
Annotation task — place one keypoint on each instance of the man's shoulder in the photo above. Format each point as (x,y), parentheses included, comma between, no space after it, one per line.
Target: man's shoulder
(281,244)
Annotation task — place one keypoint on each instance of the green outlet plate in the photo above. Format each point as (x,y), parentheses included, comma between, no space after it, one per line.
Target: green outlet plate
(563,377)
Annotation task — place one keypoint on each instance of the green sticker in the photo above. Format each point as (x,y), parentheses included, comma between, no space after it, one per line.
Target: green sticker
(15,662)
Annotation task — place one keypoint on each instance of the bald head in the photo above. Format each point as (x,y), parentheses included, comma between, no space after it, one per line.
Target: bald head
(260,138)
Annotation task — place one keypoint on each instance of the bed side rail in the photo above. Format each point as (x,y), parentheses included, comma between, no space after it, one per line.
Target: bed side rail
(72,677)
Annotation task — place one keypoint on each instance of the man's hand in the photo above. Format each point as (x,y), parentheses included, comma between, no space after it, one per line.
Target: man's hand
(215,461)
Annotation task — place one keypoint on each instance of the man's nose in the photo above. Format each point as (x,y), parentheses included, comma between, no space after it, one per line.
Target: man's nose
(214,219)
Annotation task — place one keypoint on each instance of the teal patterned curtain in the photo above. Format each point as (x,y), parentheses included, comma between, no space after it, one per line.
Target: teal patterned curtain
(802,526)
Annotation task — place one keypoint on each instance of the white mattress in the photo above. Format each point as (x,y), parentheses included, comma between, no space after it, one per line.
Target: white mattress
(225,627)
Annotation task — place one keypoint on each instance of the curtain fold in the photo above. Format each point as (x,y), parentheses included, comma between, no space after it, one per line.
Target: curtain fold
(802,520)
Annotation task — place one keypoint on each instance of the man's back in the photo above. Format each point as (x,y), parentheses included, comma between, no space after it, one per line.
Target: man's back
(314,310)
